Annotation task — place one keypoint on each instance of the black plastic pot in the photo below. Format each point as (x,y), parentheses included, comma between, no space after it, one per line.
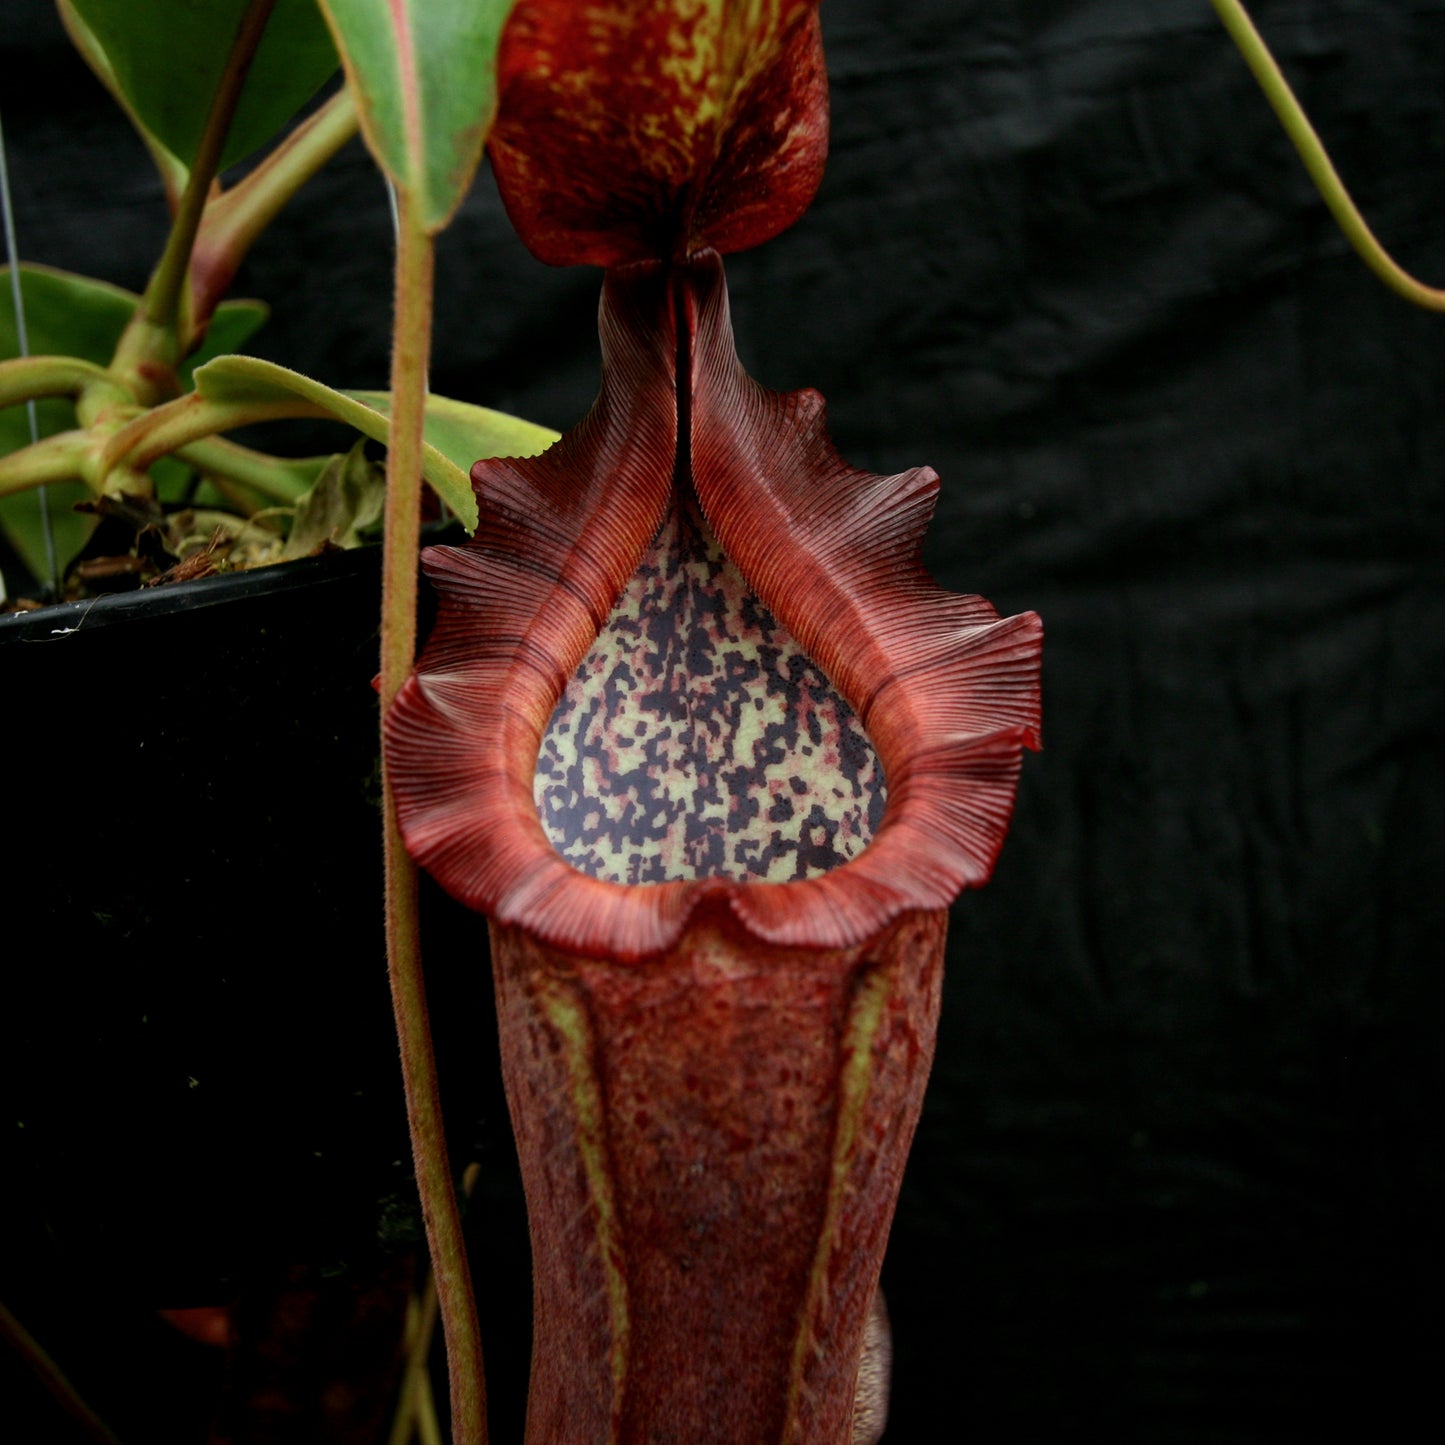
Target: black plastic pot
(200,1071)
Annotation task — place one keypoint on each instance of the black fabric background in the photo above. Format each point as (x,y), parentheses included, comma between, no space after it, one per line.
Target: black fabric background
(1179,1177)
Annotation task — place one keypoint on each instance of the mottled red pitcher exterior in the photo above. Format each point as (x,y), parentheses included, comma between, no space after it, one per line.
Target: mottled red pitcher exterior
(712,1145)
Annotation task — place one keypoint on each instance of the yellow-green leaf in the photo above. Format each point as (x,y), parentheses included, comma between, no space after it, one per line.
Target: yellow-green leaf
(234,391)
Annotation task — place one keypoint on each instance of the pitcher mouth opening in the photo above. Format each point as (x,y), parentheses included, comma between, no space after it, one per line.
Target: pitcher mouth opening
(945,692)
(697,740)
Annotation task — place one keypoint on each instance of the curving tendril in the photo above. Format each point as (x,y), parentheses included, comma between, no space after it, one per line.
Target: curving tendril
(1317,161)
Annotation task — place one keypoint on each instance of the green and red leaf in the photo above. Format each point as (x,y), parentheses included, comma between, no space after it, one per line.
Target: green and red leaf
(423,72)
(164,63)
(651,129)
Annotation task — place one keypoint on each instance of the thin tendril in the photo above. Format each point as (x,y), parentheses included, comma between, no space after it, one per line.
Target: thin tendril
(1317,161)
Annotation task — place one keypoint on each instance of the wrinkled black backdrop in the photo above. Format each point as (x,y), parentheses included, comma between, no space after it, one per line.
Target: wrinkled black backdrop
(1179,1177)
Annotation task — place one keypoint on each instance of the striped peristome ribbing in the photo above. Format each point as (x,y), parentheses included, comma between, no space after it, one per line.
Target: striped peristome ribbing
(946,690)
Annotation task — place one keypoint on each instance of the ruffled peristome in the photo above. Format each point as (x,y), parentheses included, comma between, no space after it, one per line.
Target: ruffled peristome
(714,1082)
(947,692)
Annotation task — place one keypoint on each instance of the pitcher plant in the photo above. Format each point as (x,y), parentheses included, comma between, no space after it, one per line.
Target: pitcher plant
(700,736)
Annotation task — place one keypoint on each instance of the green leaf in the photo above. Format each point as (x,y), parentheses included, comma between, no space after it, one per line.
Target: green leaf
(173,172)
(21,518)
(167,59)
(424,74)
(235,391)
(68,315)
(65,315)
